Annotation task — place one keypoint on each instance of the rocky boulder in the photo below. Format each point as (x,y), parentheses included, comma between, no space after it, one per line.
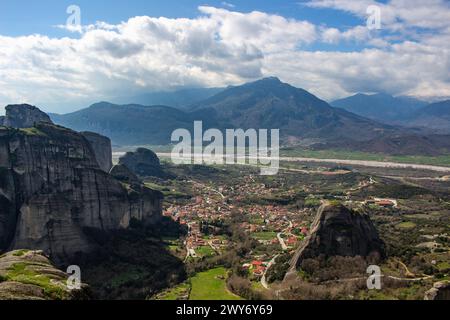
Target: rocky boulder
(102,149)
(143,162)
(440,291)
(29,275)
(24,116)
(339,231)
(123,174)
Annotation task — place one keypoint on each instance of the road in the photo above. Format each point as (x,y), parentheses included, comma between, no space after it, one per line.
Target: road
(263,278)
(282,243)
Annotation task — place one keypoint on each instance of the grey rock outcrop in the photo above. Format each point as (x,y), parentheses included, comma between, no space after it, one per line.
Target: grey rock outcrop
(102,149)
(339,231)
(29,275)
(143,162)
(24,116)
(122,173)
(52,190)
(440,291)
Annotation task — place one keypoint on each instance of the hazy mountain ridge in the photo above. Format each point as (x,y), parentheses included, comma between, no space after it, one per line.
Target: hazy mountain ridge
(267,103)
(380,107)
(181,99)
(434,116)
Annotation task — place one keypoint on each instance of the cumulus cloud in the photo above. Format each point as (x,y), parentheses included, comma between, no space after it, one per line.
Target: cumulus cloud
(222,47)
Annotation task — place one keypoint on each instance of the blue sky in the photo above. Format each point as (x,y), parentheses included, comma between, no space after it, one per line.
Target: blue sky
(23,17)
(125,48)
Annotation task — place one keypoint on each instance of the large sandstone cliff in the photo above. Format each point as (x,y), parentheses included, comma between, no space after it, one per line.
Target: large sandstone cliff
(339,231)
(144,163)
(102,149)
(23,116)
(52,190)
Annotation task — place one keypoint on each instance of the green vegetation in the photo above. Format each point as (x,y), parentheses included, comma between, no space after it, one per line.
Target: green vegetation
(180,292)
(406,225)
(205,251)
(20,253)
(211,285)
(443,160)
(32,132)
(268,235)
(312,202)
(24,273)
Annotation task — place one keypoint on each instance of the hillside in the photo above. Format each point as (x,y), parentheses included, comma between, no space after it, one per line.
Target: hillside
(380,107)
(434,116)
(179,98)
(127,124)
(303,119)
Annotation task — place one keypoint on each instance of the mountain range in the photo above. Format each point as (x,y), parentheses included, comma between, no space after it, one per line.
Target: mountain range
(265,104)
(178,98)
(435,116)
(403,111)
(380,107)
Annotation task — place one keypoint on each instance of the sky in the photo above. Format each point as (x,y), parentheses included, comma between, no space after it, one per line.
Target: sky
(61,61)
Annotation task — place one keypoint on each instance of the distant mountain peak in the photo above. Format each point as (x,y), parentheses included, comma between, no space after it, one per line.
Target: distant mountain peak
(264,81)
(380,106)
(270,79)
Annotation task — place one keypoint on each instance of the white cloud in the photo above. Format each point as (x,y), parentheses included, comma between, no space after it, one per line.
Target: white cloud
(218,48)
(227,4)
(395,14)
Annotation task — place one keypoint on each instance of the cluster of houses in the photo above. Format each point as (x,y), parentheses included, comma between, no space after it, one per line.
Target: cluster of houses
(256,267)
(383,203)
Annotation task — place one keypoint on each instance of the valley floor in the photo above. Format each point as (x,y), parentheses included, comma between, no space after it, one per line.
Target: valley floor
(250,226)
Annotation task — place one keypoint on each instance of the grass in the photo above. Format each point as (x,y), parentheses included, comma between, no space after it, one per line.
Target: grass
(211,285)
(406,225)
(268,235)
(21,272)
(443,160)
(205,251)
(177,293)
(32,132)
(443,266)
(20,253)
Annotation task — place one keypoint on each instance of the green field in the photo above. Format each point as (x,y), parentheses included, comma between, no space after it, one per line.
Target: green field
(264,235)
(406,225)
(443,160)
(210,285)
(205,251)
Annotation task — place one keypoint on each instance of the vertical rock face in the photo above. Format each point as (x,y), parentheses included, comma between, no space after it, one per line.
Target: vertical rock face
(102,149)
(24,116)
(142,162)
(338,231)
(122,173)
(52,190)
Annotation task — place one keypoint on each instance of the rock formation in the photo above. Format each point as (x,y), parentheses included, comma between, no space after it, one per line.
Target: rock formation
(52,190)
(102,149)
(440,291)
(29,275)
(143,162)
(24,116)
(122,173)
(338,231)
